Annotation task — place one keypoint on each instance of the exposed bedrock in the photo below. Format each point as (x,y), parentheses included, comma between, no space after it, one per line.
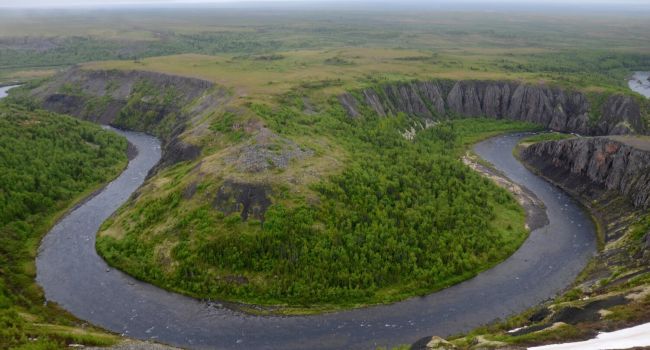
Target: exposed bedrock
(554,108)
(76,91)
(599,161)
(176,151)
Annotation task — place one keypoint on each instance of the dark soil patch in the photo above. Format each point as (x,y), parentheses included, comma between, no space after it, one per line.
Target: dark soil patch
(248,199)
(589,312)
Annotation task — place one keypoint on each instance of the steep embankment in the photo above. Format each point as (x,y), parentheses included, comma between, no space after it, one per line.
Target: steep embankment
(610,176)
(552,107)
(155,103)
(599,163)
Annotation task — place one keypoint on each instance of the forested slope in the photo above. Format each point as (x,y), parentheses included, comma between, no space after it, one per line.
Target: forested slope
(47,163)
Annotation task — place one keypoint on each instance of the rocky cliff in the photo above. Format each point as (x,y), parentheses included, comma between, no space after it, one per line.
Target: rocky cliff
(109,97)
(151,102)
(609,176)
(600,161)
(554,108)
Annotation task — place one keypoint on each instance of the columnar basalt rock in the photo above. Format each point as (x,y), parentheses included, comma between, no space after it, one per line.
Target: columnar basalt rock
(605,162)
(551,107)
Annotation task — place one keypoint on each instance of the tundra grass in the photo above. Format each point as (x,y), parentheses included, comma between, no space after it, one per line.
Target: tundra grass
(546,136)
(586,51)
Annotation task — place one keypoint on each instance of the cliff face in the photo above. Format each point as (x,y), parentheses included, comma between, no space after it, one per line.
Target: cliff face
(553,108)
(604,162)
(155,103)
(115,97)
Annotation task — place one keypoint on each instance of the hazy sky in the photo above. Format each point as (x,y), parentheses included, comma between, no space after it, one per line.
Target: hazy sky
(87,3)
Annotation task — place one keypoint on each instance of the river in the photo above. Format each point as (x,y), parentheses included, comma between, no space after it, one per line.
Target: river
(5,89)
(74,276)
(640,83)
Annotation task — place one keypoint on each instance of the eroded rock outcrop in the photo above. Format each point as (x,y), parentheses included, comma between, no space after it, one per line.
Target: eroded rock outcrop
(176,151)
(605,162)
(151,102)
(554,108)
(103,95)
(264,151)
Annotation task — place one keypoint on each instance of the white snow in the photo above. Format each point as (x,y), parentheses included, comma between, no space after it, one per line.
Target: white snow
(622,339)
(516,329)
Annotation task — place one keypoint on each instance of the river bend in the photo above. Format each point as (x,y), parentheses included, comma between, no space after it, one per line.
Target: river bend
(74,276)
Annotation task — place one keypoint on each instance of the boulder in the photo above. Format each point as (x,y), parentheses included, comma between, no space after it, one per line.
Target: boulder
(437,343)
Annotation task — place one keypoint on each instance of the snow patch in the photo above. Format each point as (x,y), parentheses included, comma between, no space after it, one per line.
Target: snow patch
(622,339)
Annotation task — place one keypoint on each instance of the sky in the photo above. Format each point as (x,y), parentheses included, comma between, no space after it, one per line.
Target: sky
(248,3)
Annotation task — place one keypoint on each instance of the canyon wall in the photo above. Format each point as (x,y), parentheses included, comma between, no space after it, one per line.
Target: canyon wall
(551,107)
(114,96)
(150,102)
(603,162)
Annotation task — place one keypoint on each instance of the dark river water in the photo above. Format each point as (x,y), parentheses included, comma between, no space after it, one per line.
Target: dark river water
(75,277)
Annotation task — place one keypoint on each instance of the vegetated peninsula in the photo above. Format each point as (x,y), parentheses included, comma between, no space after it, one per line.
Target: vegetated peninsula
(326,212)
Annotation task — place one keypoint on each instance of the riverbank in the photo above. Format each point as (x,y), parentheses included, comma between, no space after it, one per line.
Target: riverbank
(34,199)
(535,209)
(4,90)
(613,292)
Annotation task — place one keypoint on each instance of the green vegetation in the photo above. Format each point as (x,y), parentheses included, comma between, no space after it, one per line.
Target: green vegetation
(578,51)
(47,163)
(403,218)
(579,69)
(150,108)
(641,228)
(356,223)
